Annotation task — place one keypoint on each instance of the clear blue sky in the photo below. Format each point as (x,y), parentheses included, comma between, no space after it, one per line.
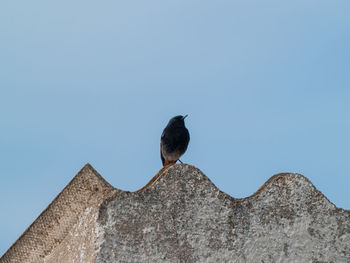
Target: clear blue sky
(266,85)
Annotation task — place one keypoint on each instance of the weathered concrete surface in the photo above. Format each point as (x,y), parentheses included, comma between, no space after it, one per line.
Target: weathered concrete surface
(183,217)
(48,238)
(180,216)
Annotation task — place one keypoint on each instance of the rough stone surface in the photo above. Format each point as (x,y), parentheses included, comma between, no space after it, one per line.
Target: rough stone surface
(180,216)
(183,217)
(62,232)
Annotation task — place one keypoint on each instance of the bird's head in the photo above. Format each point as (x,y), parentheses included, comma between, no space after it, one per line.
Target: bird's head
(178,120)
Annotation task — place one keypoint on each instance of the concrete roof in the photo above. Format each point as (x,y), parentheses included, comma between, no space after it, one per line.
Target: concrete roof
(181,216)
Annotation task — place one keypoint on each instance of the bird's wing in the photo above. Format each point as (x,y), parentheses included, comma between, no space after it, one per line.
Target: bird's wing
(161,157)
(161,146)
(163,134)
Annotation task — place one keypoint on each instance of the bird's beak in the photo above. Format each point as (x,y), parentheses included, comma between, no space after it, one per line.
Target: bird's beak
(184,117)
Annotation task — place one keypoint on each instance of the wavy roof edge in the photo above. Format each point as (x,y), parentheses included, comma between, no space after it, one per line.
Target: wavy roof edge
(89,189)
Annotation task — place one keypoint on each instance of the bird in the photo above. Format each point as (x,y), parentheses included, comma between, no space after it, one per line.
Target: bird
(174,140)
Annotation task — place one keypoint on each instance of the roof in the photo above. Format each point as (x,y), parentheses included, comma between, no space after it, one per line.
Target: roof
(181,216)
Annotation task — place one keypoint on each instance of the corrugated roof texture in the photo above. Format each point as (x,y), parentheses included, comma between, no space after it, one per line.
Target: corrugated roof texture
(180,216)
(183,217)
(86,190)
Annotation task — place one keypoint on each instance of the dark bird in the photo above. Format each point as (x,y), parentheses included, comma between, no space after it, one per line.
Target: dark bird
(174,140)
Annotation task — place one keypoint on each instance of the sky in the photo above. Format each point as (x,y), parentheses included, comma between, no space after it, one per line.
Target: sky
(266,85)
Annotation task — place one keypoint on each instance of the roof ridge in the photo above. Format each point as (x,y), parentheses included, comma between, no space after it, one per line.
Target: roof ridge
(52,225)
